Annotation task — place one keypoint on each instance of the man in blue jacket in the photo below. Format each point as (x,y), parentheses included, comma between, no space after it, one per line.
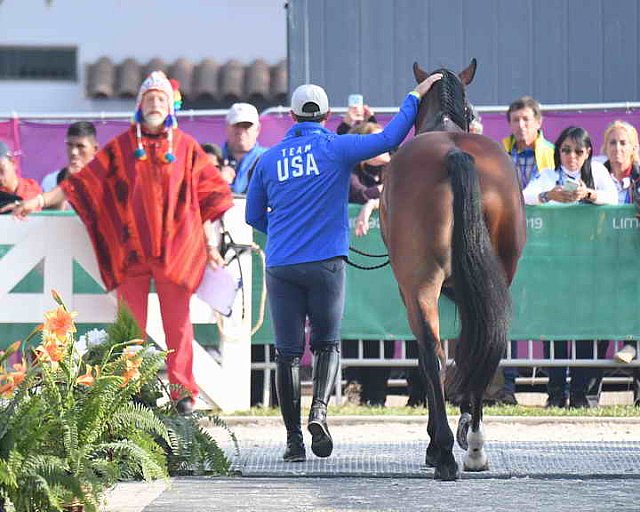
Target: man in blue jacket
(298,196)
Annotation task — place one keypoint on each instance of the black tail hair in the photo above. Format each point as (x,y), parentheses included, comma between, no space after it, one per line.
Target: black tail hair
(481,288)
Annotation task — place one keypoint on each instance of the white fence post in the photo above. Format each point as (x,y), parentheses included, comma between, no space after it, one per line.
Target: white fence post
(59,240)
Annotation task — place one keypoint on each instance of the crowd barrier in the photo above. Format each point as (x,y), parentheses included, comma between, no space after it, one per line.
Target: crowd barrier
(39,138)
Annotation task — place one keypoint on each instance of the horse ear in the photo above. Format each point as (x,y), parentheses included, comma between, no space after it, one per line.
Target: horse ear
(420,74)
(467,75)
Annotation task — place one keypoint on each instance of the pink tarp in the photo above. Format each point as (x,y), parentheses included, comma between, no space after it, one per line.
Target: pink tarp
(41,144)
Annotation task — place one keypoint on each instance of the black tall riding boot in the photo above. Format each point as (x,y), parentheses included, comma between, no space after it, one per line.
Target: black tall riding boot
(326,363)
(288,389)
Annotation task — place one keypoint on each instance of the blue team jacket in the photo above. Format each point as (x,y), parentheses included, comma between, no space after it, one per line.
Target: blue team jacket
(298,194)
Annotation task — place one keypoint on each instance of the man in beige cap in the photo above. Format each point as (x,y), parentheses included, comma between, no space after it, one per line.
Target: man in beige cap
(241,150)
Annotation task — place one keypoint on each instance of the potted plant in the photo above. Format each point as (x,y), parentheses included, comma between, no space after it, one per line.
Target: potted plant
(70,429)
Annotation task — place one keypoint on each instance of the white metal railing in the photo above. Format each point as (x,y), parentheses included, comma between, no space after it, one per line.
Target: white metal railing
(527,360)
(59,240)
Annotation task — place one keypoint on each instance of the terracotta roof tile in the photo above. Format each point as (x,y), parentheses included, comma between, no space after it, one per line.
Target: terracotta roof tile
(205,84)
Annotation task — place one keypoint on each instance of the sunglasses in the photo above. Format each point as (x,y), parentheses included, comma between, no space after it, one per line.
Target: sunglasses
(565,150)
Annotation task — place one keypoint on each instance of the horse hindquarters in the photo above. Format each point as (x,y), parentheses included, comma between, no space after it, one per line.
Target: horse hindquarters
(480,286)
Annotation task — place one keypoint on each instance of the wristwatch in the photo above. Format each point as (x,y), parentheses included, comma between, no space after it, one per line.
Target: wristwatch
(544,197)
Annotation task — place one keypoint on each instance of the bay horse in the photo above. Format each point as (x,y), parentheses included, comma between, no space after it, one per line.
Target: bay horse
(452,218)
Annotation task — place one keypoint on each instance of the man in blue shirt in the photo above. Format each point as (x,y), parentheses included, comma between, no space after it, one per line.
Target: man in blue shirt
(241,150)
(298,196)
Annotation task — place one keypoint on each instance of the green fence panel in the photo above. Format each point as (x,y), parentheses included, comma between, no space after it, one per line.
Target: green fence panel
(577,278)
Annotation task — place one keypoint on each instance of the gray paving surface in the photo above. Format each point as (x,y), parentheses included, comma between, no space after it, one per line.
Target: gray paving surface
(394,494)
(371,470)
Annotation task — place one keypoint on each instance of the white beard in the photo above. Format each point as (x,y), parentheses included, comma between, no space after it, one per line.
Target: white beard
(154,120)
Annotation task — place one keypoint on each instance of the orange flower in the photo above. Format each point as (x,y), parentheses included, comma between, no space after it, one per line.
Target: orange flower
(7,388)
(19,374)
(87,379)
(131,372)
(60,322)
(56,296)
(52,349)
(9,381)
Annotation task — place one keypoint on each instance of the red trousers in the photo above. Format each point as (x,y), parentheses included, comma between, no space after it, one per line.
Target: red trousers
(174,308)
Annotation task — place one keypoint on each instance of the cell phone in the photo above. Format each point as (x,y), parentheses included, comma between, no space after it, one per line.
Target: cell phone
(355,100)
(570,185)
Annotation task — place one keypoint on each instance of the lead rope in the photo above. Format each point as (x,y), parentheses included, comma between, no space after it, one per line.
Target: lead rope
(362,253)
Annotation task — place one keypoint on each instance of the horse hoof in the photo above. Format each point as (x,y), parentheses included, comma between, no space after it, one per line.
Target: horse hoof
(473,468)
(463,428)
(447,472)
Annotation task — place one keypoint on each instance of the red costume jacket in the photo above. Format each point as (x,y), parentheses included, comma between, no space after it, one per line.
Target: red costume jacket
(148,211)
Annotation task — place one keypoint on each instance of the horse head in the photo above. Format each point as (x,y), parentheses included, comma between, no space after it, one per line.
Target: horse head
(445,106)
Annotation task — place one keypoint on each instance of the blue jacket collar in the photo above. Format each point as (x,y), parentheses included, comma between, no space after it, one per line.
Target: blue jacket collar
(305,128)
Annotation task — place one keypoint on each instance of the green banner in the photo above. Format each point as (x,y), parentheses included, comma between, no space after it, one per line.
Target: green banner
(577,279)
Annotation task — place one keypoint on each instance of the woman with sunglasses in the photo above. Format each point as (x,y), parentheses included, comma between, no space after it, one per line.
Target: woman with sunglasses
(576,178)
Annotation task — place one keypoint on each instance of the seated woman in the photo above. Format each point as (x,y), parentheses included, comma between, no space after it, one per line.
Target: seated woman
(623,163)
(575,178)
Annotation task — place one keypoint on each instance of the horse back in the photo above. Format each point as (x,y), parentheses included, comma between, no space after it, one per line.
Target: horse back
(417,198)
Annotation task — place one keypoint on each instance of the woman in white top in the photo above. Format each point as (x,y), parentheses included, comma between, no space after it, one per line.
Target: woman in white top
(623,162)
(576,178)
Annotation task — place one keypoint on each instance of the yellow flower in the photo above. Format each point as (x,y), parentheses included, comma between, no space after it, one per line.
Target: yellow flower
(60,322)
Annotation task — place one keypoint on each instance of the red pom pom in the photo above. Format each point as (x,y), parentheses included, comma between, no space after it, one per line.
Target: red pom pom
(175,84)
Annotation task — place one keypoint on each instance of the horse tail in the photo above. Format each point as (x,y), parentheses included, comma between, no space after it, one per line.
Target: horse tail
(480,284)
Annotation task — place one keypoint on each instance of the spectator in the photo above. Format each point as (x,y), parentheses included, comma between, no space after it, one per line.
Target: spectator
(144,200)
(241,151)
(214,152)
(365,189)
(11,183)
(475,126)
(298,197)
(574,178)
(623,163)
(356,114)
(530,153)
(528,148)
(82,146)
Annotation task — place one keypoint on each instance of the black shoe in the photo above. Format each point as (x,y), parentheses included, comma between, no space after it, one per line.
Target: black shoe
(321,441)
(295,451)
(185,406)
(506,397)
(556,401)
(579,400)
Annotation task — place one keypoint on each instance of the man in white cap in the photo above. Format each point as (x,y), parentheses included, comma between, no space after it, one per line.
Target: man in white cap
(298,197)
(241,150)
(145,199)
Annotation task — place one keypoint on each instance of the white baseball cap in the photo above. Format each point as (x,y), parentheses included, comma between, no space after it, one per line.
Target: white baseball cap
(309,100)
(242,113)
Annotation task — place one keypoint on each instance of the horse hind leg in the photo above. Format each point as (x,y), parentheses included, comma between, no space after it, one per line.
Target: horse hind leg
(475,458)
(440,450)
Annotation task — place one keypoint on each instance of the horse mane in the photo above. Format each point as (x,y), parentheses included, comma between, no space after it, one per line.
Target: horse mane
(453,100)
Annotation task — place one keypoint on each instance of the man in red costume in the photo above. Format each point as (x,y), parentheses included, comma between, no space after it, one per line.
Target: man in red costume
(11,183)
(146,200)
